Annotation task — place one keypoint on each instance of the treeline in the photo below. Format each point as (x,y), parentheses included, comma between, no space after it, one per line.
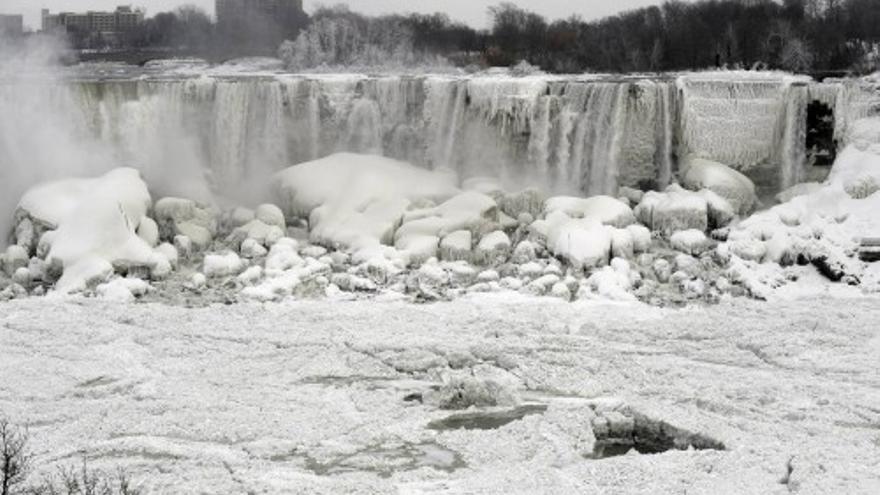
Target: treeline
(191,29)
(336,36)
(796,35)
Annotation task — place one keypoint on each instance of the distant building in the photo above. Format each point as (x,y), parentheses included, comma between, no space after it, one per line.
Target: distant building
(11,25)
(108,24)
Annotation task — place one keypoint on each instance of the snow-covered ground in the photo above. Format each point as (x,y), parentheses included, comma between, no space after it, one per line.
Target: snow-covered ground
(323,396)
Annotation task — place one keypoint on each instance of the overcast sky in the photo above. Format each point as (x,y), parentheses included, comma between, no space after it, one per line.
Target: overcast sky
(471,11)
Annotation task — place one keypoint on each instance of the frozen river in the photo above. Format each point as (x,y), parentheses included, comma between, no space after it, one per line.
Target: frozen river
(326,396)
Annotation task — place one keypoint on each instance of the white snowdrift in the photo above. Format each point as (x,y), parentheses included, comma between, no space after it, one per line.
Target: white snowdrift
(358,201)
(824,226)
(97,221)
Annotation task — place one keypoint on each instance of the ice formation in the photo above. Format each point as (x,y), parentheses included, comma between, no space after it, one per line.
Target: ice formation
(563,186)
(223,135)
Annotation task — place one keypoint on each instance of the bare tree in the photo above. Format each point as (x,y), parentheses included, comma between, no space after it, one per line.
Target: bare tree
(14,458)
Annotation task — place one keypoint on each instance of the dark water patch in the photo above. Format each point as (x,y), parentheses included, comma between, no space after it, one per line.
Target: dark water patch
(488,420)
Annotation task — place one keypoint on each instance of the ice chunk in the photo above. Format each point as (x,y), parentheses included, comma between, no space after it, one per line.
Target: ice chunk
(736,188)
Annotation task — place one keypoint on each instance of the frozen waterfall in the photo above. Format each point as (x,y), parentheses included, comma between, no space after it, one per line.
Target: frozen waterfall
(199,136)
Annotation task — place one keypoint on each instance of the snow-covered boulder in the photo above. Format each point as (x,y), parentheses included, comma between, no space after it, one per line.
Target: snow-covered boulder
(179,216)
(257,230)
(528,201)
(493,247)
(457,246)
(612,282)
(524,252)
(250,249)
(97,221)
(699,173)
(270,214)
(123,289)
(357,201)
(857,171)
(148,230)
(641,237)
(693,242)
(672,210)
(222,265)
(603,209)
(14,258)
(622,243)
(582,243)
(239,216)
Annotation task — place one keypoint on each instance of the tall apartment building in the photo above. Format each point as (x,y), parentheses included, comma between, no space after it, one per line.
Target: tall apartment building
(11,25)
(121,20)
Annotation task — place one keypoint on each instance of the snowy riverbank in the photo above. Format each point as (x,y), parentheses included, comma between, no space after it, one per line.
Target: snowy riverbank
(321,396)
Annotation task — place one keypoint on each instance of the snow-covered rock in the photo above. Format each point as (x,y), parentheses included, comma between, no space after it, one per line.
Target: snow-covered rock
(270,214)
(357,201)
(692,241)
(179,216)
(14,258)
(699,173)
(603,209)
(494,247)
(528,201)
(97,221)
(251,248)
(641,237)
(222,265)
(123,289)
(672,210)
(457,246)
(582,243)
(148,230)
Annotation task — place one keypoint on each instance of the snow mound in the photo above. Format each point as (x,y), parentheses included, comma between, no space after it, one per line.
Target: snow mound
(357,201)
(97,221)
(823,226)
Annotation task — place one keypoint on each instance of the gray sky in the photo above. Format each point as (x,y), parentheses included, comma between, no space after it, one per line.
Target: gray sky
(471,11)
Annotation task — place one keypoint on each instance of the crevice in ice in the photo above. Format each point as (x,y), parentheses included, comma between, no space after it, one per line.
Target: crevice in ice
(620,432)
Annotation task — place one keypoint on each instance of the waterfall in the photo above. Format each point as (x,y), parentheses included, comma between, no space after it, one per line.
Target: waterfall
(221,137)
